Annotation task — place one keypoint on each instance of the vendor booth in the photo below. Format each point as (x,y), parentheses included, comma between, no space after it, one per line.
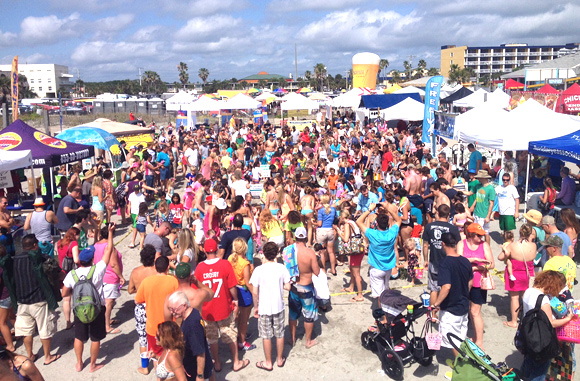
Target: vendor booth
(408,109)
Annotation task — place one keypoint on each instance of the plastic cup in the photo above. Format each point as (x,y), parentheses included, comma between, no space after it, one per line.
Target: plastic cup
(425,298)
(144,360)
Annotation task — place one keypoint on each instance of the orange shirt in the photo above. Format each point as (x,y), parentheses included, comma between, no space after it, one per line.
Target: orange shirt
(153,291)
(332,181)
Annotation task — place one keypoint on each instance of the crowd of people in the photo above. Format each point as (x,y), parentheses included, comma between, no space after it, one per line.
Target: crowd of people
(227,219)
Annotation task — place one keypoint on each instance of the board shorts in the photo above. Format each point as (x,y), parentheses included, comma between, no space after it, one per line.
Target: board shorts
(449,323)
(271,326)
(301,301)
(140,323)
(379,281)
(482,223)
(432,284)
(507,223)
(224,329)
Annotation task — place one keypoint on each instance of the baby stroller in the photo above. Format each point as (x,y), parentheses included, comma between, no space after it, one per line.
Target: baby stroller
(393,338)
(473,364)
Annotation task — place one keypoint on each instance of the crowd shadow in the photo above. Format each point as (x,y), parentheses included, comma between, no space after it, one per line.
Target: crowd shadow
(496,236)
(501,303)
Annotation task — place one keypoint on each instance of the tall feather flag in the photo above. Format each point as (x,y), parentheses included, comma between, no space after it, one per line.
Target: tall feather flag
(14,91)
(432,92)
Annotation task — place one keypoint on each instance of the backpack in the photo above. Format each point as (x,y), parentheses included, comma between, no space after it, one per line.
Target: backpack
(535,336)
(86,301)
(577,249)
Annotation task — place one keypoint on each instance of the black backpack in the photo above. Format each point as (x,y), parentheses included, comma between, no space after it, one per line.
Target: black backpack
(535,336)
(577,249)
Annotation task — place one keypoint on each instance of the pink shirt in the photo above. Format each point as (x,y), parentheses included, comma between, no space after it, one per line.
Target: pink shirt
(110,276)
(477,253)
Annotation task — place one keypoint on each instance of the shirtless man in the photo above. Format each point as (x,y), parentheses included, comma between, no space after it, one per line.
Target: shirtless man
(307,209)
(271,147)
(199,202)
(301,300)
(6,223)
(413,181)
(196,296)
(439,197)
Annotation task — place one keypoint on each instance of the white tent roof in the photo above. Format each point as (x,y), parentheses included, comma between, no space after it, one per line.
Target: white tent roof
(349,99)
(117,128)
(410,89)
(176,102)
(11,160)
(481,125)
(204,104)
(472,100)
(240,102)
(447,90)
(299,102)
(291,96)
(264,96)
(407,109)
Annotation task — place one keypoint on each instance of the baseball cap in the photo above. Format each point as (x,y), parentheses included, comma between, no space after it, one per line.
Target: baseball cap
(553,240)
(548,220)
(136,187)
(183,270)
(210,246)
(472,171)
(301,233)
(476,228)
(87,254)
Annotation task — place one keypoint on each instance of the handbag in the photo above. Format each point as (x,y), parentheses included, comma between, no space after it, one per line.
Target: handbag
(432,336)
(244,296)
(487,282)
(68,263)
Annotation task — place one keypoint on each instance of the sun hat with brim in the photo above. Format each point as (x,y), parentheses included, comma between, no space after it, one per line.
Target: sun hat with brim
(38,202)
(90,173)
(534,216)
(554,241)
(220,203)
(482,175)
(125,165)
(476,228)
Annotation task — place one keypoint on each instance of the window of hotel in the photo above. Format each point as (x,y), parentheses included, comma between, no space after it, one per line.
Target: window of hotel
(40,89)
(32,81)
(451,62)
(40,81)
(50,80)
(451,54)
(32,89)
(49,88)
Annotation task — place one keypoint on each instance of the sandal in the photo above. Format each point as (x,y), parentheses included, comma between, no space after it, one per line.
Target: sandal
(355,300)
(260,365)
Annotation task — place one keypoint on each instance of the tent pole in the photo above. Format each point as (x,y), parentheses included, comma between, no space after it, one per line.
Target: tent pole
(33,180)
(51,183)
(527,180)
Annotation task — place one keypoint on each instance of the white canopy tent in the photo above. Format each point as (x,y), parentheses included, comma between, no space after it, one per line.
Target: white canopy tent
(408,109)
(265,96)
(447,90)
(179,101)
(482,125)
(240,102)
(204,104)
(351,98)
(12,160)
(410,89)
(299,102)
(472,100)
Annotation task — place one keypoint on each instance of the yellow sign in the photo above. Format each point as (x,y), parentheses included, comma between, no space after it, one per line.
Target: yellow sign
(365,67)
(49,140)
(14,92)
(9,140)
(299,124)
(133,140)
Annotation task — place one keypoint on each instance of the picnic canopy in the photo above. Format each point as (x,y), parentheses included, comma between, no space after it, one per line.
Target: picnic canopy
(90,136)
(472,100)
(481,125)
(569,102)
(461,93)
(407,109)
(513,84)
(46,150)
(384,101)
(566,148)
(299,102)
(11,160)
(410,89)
(179,101)
(204,104)
(447,89)
(240,102)
(547,89)
(116,128)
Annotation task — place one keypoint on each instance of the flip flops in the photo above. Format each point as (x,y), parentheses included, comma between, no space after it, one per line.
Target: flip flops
(260,365)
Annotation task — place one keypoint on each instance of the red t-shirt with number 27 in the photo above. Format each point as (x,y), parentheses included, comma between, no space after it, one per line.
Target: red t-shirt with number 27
(218,275)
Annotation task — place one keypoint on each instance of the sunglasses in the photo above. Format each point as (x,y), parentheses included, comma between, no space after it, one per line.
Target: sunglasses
(505,180)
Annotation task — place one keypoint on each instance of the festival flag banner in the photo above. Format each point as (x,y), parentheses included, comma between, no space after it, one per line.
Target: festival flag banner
(14,91)
(432,92)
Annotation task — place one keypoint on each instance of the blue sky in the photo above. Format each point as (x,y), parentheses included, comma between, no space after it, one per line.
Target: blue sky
(112,39)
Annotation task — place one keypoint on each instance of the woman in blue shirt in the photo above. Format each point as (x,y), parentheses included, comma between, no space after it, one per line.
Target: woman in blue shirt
(325,232)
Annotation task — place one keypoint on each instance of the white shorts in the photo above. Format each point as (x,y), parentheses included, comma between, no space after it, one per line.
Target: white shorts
(454,324)
(111,290)
(379,280)
(482,223)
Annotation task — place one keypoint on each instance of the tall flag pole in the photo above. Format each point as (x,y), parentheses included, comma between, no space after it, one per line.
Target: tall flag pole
(14,92)
(432,93)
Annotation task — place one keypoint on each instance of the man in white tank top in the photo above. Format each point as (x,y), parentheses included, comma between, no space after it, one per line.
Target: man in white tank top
(40,222)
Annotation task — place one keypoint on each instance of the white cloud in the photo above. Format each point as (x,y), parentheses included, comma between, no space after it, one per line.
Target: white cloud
(315,5)
(148,33)
(113,24)
(196,8)
(90,5)
(7,38)
(34,59)
(103,52)
(213,27)
(49,29)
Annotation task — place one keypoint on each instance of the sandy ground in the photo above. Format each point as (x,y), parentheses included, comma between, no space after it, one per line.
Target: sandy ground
(338,356)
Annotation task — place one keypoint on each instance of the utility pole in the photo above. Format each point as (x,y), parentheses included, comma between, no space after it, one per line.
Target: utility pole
(140,76)
(346,79)
(295,63)
(77,83)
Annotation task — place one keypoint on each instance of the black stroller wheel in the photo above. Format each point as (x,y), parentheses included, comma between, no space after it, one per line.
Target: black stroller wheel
(367,341)
(392,364)
(426,361)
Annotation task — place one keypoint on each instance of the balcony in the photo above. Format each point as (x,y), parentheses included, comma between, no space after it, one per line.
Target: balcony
(522,54)
(535,53)
(510,54)
(485,54)
(468,55)
(510,62)
(498,54)
(535,61)
(484,71)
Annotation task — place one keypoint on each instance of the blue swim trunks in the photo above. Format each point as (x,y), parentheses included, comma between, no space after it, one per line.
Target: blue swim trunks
(269,156)
(301,301)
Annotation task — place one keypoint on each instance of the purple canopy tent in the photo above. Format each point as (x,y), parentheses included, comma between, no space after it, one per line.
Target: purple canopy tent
(47,151)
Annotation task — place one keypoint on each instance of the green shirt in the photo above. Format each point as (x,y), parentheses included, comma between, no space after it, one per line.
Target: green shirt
(484,196)
(473,187)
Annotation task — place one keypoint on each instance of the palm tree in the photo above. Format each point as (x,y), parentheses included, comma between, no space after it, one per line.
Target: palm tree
(183,75)
(320,74)
(454,74)
(383,64)
(433,71)
(151,80)
(203,74)
(408,70)
(395,76)
(308,76)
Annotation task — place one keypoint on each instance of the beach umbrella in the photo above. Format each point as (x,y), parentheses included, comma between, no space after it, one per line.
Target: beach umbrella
(253,90)
(280,90)
(89,136)
(304,90)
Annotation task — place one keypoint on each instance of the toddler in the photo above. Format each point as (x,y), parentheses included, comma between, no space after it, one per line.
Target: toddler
(413,258)
(509,238)
(197,226)
(141,224)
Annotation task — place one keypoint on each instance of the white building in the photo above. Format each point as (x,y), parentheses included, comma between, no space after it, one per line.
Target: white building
(44,79)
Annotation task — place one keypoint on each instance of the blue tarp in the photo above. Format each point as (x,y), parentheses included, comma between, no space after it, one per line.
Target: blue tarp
(566,148)
(384,101)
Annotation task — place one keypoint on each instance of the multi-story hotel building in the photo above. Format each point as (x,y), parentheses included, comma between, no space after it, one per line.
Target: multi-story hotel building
(44,79)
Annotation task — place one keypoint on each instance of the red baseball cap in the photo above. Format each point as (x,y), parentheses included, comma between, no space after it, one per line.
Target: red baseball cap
(210,246)
(476,228)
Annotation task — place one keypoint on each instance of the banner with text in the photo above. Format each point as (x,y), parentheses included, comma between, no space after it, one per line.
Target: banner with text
(432,93)
(14,91)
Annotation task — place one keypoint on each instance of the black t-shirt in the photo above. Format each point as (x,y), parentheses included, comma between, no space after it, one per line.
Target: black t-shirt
(432,234)
(229,237)
(195,344)
(248,153)
(450,193)
(457,272)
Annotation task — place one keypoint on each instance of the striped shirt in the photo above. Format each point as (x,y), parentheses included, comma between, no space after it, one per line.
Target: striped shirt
(28,289)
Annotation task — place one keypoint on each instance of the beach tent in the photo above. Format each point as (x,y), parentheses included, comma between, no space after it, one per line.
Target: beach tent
(47,151)
(11,160)
(482,125)
(500,98)
(447,89)
(566,148)
(410,89)
(240,102)
(204,104)
(513,84)
(116,128)
(392,89)
(303,90)
(384,101)
(547,89)
(458,94)
(408,109)
(280,90)
(179,101)
(265,96)
(472,100)
(298,102)
(569,102)
(90,136)
(318,97)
